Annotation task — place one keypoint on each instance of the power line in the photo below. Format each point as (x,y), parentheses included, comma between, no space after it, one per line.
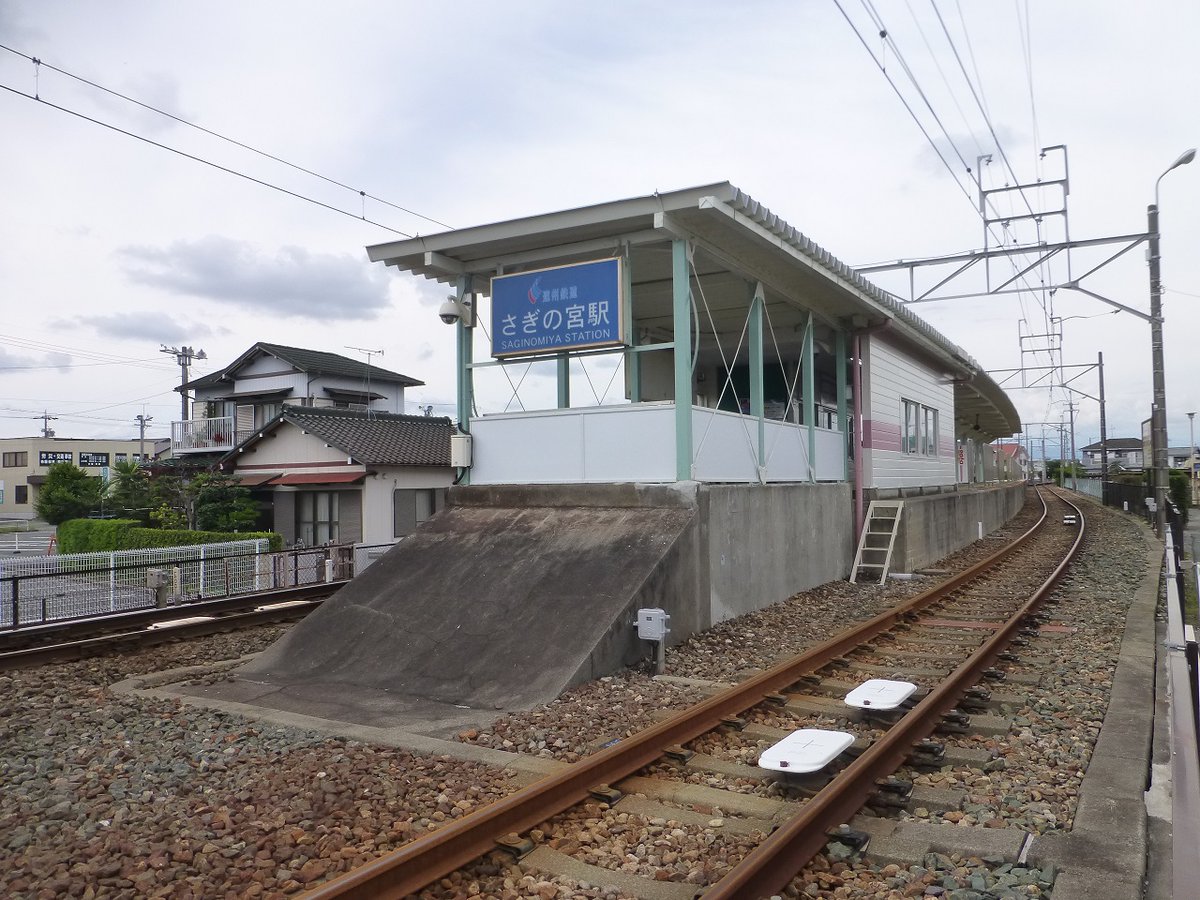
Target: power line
(364,194)
(986,117)
(200,159)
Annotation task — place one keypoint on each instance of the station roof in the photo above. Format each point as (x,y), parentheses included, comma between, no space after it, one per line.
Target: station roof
(732,228)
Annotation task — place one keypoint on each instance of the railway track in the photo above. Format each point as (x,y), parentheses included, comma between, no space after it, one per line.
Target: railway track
(79,639)
(943,643)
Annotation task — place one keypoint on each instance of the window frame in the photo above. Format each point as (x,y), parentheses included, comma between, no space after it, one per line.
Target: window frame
(910,426)
(317,518)
(15,459)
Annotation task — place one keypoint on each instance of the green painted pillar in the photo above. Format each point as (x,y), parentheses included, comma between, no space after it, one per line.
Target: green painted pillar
(564,381)
(465,337)
(843,405)
(633,361)
(756,372)
(810,397)
(681,295)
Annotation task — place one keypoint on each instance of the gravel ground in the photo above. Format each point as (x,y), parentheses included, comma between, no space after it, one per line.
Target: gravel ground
(133,797)
(145,798)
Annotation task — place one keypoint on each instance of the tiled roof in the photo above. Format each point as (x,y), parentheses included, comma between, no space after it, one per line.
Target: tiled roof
(313,362)
(381,439)
(1116,444)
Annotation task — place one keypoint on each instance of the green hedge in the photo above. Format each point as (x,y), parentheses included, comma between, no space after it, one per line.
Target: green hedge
(93,535)
(107,535)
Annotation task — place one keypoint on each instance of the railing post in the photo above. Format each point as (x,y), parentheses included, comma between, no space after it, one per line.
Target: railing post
(16,601)
(202,571)
(112,582)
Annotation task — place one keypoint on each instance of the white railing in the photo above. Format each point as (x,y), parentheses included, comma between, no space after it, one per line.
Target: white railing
(636,442)
(40,590)
(206,435)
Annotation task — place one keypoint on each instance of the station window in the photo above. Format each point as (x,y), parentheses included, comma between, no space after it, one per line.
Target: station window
(19,458)
(316,518)
(911,421)
(929,431)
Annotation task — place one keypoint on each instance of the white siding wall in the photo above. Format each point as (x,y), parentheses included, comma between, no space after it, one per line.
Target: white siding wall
(377,496)
(890,375)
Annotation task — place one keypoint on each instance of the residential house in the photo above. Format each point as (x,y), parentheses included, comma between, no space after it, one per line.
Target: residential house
(335,475)
(252,390)
(1013,461)
(1123,453)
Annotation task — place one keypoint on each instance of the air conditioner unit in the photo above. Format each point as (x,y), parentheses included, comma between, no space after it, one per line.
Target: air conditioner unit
(460,451)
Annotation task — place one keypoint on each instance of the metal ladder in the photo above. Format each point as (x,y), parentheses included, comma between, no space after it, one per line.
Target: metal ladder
(878,537)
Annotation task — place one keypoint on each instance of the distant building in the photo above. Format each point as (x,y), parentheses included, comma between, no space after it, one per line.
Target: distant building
(1013,461)
(1123,453)
(25,461)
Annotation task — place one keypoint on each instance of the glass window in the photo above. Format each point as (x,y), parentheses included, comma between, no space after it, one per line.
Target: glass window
(911,419)
(410,508)
(316,518)
(22,494)
(929,432)
(20,458)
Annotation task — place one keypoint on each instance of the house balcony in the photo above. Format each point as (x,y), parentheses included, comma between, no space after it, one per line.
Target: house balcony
(216,435)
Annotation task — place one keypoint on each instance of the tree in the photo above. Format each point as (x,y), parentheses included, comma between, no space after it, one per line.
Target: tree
(128,491)
(67,493)
(169,505)
(220,503)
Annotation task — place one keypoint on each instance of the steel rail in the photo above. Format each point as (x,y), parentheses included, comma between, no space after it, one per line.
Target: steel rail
(99,625)
(415,865)
(68,651)
(768,868)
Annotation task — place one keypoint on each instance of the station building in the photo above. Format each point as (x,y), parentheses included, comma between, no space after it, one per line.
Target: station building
(765,393)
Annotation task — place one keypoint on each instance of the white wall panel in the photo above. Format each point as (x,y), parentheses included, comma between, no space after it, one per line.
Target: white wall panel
(893,375)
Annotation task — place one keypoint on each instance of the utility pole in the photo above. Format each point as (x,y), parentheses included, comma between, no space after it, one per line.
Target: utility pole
(142,421)
(1103,435)
(183,356)
(1071,412)
(47,431)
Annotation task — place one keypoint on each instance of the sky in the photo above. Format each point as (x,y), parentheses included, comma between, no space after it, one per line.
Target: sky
(469,113)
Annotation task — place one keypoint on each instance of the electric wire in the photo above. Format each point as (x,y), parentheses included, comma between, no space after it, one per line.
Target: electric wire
(202,160)
(40,63)
(986,117)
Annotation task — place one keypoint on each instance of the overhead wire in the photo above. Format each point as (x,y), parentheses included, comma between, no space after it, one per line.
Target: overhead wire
(41,63)
(202,160)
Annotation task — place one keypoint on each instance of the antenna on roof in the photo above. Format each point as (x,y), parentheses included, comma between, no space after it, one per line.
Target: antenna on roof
(369,354)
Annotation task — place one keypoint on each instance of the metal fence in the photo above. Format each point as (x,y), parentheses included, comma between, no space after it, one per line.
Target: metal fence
(35,590)
(14,543)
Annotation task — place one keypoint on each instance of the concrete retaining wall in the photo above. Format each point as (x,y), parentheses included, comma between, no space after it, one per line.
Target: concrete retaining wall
(934,526)
(765,543)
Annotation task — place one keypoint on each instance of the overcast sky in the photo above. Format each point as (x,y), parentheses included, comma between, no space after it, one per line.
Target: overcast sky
(477,112)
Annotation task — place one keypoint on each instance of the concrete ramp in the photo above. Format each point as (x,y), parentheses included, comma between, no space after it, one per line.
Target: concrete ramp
(494,606)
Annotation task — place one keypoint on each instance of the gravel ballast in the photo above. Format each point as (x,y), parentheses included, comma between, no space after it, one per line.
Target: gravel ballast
(132,797)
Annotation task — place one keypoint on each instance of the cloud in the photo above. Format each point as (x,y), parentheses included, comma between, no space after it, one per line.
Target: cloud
(293,282)
(14,362)
(155,326)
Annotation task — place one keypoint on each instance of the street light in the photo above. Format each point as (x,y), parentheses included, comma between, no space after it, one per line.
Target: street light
(1158,413)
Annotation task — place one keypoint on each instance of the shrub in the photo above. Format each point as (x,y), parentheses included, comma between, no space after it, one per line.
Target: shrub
(107,535)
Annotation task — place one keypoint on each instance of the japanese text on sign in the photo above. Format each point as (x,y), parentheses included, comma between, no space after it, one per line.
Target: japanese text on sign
(93,460)
(551,310)
(50,457)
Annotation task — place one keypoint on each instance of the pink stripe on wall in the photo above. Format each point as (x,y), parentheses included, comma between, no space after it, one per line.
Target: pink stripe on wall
(881,435)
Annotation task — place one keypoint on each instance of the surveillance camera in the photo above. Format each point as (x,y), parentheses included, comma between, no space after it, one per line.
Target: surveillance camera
(450,312)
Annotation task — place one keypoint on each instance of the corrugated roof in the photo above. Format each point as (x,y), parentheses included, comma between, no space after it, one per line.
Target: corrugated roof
(381,439)
(314,362)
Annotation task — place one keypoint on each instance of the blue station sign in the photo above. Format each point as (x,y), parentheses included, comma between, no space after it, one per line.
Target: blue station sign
(563,308)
